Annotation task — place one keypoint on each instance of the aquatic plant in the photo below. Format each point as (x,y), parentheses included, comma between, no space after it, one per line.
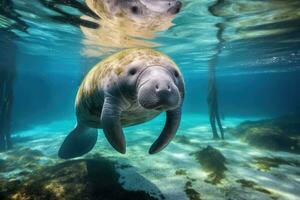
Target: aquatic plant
(23,161)
(190,192)
(252,185)
(212,161)
(279,134)
(179,172)
(266,163)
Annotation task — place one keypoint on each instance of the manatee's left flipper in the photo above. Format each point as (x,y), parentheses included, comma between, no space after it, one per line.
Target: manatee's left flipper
(169,131)
(79,142)
(111,124)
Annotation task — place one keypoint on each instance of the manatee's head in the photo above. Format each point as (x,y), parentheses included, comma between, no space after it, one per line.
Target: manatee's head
(142,9)
(156,87)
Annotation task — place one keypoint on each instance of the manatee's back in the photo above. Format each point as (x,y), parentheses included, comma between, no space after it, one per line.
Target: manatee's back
(90,97)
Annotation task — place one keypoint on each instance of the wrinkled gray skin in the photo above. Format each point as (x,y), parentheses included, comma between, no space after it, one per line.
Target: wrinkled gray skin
(147,92)
(143,8)
(139,94)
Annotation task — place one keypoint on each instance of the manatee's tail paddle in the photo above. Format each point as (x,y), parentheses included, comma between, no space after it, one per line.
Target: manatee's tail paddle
(79,142)
(169,131)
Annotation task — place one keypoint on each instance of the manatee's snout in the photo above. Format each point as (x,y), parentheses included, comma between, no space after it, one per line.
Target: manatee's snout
(166,93)
(175,8)
(163,6)
(157,90)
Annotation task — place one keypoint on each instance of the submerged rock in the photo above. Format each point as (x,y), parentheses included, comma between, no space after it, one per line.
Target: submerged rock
(76,179)
(213,161)
(280,134)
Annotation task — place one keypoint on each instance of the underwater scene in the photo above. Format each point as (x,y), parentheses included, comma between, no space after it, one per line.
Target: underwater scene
(149,100)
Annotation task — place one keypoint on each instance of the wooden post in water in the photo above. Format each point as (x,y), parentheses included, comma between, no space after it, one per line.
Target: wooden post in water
(7,76)
(7,68)
(212,98)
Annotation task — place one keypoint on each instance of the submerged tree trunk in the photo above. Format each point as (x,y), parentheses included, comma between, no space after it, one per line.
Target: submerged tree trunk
(9,20)
(7,76)
(212,99)
(69,18)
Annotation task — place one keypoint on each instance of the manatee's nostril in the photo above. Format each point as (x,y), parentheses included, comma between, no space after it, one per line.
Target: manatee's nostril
(169,87)
(157,87)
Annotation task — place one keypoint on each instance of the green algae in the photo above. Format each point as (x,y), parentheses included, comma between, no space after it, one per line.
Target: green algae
(190,192)
(212,161)
(180,172)
(279,134)
(266,163)
(252,185)
(25,159)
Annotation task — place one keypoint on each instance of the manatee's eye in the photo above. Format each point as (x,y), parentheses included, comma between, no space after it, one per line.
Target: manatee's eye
(176,74)
(135,10)
(132,71)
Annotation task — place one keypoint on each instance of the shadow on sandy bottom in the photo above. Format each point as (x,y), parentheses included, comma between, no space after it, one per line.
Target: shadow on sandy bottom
(75,179)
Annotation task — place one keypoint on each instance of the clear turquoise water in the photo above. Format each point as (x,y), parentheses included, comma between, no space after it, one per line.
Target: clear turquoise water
(257,74)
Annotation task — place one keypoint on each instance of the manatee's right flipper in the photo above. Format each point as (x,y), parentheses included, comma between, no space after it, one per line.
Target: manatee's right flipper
(112,128)
(79,142)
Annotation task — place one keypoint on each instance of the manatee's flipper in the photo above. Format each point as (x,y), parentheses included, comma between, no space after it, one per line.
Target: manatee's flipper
(79,142)
(111,124)
(169,131)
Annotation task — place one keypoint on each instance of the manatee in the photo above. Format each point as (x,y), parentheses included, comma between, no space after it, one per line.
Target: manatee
(126,23)
(134,9)
(127,88)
